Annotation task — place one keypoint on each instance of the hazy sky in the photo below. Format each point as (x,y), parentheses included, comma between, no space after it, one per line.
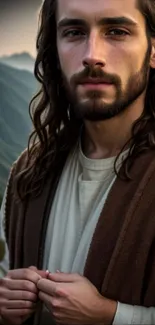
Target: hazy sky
(18,26)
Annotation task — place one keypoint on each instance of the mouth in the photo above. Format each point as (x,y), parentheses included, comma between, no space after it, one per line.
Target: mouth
(95,83)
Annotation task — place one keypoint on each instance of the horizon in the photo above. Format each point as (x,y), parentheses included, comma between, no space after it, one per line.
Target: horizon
(17,53)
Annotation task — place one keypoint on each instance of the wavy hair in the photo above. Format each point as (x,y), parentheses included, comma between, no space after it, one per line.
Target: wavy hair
(56,128)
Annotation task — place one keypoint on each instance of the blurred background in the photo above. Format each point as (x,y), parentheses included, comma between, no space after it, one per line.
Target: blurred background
(18,31)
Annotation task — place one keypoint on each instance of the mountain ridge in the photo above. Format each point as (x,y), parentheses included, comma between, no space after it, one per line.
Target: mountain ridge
(20,61)
(17,87)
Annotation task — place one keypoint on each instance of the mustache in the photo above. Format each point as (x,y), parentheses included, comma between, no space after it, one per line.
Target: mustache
(94,73)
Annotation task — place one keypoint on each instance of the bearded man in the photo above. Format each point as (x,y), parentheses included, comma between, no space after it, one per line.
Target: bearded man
(80,199)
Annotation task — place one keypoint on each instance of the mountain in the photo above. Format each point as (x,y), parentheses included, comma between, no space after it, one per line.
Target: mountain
(17,87)
(22,61)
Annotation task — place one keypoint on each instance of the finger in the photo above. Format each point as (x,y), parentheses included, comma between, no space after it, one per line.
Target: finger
(64,277)
(61,317)
(24,274)
(42,273)
(45,298)
(47,286)
(18,304)
(33,268)
(52,303)
(10,313)
(20,295)
(19,285)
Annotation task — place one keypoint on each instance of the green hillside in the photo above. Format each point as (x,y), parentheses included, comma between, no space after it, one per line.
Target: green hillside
(16,90)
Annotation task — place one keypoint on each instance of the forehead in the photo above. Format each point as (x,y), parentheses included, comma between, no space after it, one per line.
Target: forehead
(91,10)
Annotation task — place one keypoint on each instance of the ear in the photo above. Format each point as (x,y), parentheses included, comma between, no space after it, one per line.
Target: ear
(152,58)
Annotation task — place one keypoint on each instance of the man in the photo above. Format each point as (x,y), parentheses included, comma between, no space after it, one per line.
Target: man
(80,201)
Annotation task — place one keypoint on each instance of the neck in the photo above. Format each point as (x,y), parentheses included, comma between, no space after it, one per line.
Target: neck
(107,138)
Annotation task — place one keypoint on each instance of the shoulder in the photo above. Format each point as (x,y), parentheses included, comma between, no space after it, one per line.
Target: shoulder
(18,166)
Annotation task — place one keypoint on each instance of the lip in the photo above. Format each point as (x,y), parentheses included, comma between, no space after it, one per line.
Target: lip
(95,81)
(94,86)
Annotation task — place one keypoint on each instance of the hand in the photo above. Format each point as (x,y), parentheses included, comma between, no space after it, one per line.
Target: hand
(19,294)
(72,299)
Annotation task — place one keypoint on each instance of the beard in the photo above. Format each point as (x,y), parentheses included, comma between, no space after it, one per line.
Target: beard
(94,108)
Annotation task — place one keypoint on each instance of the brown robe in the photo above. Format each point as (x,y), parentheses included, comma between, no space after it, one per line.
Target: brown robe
(121,258)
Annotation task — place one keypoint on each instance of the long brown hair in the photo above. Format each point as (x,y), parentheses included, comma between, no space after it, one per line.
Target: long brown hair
(55,126)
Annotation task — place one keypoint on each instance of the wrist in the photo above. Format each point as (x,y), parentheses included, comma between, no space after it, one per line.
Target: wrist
(107,311)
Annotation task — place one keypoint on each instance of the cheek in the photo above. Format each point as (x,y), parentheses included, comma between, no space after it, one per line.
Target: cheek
(69,57)
(125,63)
(133,66)
(132,59)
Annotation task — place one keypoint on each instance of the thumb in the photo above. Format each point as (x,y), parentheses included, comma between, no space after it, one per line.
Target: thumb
(33,268)
(64,277)
(42,273)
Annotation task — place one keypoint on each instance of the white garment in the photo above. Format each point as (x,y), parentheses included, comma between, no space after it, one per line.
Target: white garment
(79,199)
(68,252)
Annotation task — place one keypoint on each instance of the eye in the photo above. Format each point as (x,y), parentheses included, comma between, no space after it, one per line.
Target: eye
(117,32)
(73,33)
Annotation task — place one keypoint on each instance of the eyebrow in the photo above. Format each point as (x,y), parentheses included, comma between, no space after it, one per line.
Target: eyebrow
(66,22)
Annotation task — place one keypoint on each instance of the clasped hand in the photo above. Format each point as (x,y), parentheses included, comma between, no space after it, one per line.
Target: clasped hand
(72,299)
(19,294)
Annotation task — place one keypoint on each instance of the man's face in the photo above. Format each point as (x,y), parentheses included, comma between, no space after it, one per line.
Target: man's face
(104,55)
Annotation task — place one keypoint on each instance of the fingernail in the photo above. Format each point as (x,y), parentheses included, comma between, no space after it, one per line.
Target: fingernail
(47,272)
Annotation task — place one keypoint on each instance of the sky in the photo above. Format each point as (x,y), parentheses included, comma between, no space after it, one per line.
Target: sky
(18,26)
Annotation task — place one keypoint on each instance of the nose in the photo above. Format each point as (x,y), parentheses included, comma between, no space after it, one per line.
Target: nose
(94,54)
